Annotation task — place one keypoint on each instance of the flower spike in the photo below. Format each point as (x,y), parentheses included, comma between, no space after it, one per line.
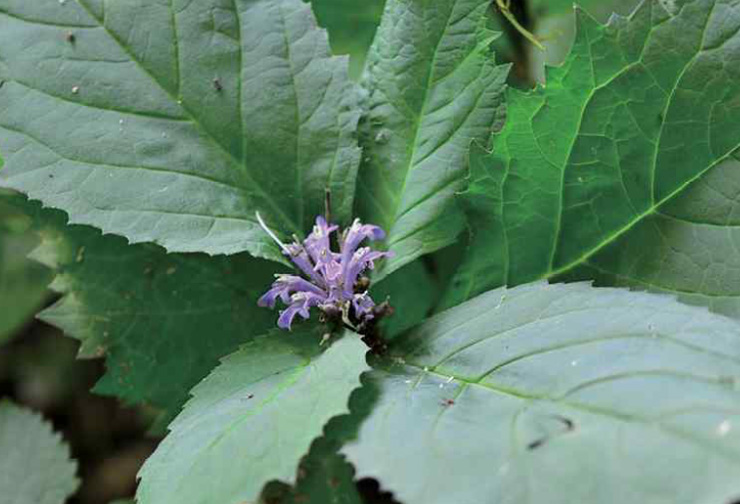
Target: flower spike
(333,281)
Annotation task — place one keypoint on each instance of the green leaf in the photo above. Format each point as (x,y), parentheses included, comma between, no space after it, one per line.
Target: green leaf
(411,292)
(22,281)
(687,248)
(351,26)
(433,87)
(555,27)
(558,393)
(623,127)
(35,464)
(163,320)
(252,419)
(542,8)
(174,122)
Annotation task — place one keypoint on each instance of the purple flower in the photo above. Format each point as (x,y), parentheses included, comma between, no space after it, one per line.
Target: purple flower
(330,280)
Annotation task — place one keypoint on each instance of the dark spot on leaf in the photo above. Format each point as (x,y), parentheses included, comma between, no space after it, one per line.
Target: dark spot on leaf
(569,424)
(448,402)
(71,37)
(250,396)
(217,85)
(536,444)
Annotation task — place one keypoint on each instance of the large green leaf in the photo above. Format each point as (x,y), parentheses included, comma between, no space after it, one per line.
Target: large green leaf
(173,122)
(351,26)
(561,394)
(35,465)
(252,419)
(642,108)
(433,87)
(689,247)
(163,320)
(22,281)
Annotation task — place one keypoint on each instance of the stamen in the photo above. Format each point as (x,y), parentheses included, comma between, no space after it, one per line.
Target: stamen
(271,234)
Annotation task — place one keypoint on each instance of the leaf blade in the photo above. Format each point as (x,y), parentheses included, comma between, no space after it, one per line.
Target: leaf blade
(685,249)
(433,88)
(620,130)
(35,463)
(250,400)
(22,282)
(146,310)
(176,114)
(563,392)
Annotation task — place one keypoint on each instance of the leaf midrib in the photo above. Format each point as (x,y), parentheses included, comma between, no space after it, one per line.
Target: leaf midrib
(297,371)
(419,118)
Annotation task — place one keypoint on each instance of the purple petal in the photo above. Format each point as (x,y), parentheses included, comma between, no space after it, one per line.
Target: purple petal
(286,317)
(355,235)
(318,242)
(286,285)
(268,299)
(302,302)
(300,258)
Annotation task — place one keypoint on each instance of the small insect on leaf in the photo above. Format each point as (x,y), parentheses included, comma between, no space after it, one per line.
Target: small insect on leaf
(217,84)
(447,402)
(71,37)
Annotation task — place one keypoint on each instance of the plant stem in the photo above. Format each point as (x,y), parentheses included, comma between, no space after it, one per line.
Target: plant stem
(517,23)
(504,7)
